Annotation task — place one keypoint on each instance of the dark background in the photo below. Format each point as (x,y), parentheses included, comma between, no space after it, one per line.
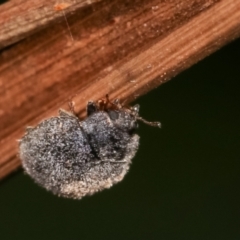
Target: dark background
(183,183)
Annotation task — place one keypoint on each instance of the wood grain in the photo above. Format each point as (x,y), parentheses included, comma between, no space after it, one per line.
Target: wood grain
(20,18)
(124,48)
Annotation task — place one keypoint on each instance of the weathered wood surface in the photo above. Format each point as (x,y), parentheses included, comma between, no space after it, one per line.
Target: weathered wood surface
(124,48)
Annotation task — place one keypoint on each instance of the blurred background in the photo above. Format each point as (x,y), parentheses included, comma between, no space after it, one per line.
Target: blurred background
(184,180)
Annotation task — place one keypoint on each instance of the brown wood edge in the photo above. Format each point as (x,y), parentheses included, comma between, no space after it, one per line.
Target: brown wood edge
(170,58)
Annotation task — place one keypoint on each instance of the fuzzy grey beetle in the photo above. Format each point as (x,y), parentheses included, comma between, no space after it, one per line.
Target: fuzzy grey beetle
(74,158)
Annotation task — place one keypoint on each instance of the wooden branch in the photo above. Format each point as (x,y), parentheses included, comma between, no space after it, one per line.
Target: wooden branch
(20,18)
(122,47)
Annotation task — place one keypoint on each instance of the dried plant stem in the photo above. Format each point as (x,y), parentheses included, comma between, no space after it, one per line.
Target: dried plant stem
(123,48)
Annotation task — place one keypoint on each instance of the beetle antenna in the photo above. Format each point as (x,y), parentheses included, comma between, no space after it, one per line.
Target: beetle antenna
(153,124)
